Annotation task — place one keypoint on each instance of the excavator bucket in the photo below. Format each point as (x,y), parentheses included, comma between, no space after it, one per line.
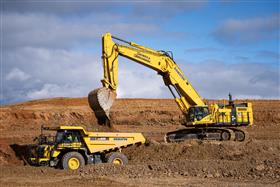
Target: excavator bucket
(101,100)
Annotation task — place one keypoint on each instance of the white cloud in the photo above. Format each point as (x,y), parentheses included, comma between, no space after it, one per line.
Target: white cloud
(54,90)
(246,31)
(76,72)
(140,83)
(215,79)
(17,74)
(159,8)
(62,73)
(41,30)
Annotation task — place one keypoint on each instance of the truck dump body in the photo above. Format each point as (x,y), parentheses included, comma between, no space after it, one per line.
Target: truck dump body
(104,141)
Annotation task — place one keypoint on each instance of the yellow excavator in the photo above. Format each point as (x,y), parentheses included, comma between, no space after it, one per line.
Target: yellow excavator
(211,122)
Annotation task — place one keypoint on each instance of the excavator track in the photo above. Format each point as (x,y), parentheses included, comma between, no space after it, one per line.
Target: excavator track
(209,133)
(241,135)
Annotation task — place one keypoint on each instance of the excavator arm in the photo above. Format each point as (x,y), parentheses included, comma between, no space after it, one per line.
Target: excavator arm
(102,99)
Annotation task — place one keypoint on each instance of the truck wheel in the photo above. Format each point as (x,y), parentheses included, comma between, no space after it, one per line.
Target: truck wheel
(117,158)
(72,161)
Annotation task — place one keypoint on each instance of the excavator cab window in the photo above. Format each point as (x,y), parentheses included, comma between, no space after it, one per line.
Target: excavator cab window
(197,113)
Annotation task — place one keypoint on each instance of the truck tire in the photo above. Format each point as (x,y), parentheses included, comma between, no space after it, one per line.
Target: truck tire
(117,159)
(72,161)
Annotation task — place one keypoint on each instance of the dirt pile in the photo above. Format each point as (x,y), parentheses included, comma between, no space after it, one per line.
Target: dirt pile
(197,159)
(252,160)
(206,150)
(235,170)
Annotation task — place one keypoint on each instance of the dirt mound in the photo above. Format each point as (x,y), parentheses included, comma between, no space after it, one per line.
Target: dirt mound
(197,159)
(227,169)
(209,150)
(207,160)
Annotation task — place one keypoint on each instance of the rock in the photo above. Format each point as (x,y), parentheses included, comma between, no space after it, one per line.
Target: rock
(36,115)
(260,167)
(217,175)
(198,175)
(231,173)
(209,175)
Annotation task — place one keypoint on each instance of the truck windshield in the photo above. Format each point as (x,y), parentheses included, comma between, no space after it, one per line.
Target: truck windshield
(59,137)
(67,137)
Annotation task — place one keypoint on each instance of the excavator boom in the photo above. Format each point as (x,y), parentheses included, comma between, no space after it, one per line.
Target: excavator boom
(102,99)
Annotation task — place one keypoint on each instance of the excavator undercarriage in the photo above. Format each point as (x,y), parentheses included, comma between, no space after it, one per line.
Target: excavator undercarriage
(208,133)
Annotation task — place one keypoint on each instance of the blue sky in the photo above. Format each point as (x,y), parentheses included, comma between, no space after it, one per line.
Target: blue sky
(53,48)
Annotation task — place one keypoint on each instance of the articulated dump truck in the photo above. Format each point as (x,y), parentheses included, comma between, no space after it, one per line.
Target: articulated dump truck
(72,147)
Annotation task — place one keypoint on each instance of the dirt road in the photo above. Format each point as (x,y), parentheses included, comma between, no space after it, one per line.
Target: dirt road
(191,163)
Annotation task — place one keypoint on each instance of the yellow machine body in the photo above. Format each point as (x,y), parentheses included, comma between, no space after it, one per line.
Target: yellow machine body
(198,113)
(91,145)
(186,97)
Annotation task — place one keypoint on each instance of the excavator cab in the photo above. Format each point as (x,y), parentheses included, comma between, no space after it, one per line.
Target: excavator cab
(197,113)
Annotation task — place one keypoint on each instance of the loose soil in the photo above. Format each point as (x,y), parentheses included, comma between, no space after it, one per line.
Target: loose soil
(255,162)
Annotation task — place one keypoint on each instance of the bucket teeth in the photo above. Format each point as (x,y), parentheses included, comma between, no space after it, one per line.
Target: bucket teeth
(101,100)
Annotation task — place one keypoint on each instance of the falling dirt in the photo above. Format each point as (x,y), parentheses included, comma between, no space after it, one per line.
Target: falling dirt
(255,162)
